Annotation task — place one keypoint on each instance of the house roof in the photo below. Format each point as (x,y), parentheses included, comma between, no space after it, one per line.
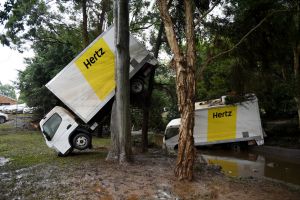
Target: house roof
(7,100)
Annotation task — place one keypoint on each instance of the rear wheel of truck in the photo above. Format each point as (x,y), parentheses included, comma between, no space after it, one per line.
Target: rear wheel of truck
(81,141)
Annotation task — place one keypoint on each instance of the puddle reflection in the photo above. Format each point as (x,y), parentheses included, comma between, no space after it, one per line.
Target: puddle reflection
(247,164)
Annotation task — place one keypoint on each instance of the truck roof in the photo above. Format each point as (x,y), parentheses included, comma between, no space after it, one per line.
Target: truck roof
(220,102)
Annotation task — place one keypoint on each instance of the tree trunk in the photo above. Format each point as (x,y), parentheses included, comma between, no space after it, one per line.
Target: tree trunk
(122,77)
(85,35)
(113,154)
(185,88)
(146,107)
(101,17)
(297,79)
(296,51)
(185,84)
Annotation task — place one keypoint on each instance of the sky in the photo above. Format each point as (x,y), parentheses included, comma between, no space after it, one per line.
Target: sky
(10,62)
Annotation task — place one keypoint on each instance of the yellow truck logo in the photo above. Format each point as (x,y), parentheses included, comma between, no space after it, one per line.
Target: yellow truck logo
(97,67)
(222,123)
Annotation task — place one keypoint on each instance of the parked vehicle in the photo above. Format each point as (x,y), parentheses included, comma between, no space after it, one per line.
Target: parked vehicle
(86,86)
(14,109)
(217,123)
(29,110)
(2,108)
(3,118)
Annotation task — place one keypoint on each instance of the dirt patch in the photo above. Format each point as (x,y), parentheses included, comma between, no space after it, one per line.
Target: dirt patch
(149,177)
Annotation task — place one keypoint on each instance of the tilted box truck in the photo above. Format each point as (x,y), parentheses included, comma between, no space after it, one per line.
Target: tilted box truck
(86,86)
(217,123)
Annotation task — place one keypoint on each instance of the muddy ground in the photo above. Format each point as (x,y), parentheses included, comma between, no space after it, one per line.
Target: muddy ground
(30,170)
(39,174)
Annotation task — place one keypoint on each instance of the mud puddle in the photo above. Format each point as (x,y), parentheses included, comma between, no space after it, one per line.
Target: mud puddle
(3,161)
(252,164)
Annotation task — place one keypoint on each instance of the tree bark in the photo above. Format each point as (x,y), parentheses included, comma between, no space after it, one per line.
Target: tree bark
(185,88)
(297,79)
(101,17)
(85,35)
(122,77)
(296,52)
(113,154)
(147,104)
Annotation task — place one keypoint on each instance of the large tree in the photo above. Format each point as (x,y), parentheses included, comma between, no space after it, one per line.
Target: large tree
(120,123)
(184,63)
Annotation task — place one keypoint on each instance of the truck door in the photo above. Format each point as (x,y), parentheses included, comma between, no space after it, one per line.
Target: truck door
(57,130)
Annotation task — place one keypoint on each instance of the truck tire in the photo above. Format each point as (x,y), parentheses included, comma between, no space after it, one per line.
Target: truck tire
(137,85)
(81,141)
(2,120)
(236,147)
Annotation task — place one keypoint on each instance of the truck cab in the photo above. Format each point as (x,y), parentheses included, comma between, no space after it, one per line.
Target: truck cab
(63,133)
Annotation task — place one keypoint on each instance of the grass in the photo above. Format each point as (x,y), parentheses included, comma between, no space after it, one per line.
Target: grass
(5,127)
(27,149)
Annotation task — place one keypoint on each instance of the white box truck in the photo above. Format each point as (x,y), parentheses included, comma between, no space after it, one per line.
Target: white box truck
(217,123)
(86,86)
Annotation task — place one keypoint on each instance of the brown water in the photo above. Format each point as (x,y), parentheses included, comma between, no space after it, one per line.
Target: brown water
(247,164)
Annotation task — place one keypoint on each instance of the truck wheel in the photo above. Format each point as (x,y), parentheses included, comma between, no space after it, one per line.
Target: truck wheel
(236,147)
(81,141)
(2,120)
(137,85)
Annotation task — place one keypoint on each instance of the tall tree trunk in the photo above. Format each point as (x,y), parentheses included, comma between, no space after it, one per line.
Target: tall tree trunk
(147,104)
(85,35)
(296,51)
(120,118)
(101,17)
(297,79)
(186,101)
(122,77)
(185,88)
(113,154)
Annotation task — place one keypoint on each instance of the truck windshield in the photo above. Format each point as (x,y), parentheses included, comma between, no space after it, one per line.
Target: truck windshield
(171,132)
(51,126)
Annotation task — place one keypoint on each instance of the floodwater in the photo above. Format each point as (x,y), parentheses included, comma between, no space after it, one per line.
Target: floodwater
(252,164)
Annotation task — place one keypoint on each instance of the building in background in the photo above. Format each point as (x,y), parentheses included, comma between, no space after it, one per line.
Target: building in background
(5,100)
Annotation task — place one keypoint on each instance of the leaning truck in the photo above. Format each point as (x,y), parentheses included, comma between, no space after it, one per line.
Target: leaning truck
(217,122)
(86,86)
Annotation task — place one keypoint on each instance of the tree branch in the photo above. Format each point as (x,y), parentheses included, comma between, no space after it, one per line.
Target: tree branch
(240,41)
(169,30)
(207,12)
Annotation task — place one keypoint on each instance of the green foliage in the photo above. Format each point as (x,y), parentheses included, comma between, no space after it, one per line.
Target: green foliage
(7,90)
(48,61)
(263,62)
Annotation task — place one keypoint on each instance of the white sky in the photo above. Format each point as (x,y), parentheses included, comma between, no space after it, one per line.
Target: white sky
(11,61)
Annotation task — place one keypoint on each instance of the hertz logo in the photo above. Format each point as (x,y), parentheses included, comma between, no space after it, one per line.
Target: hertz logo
(222,114)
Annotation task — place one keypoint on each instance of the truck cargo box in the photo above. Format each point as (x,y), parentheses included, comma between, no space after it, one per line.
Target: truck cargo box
(87,83)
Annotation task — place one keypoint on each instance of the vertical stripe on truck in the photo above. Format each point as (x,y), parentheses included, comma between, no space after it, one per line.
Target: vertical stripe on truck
(221,123)
(97,66)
